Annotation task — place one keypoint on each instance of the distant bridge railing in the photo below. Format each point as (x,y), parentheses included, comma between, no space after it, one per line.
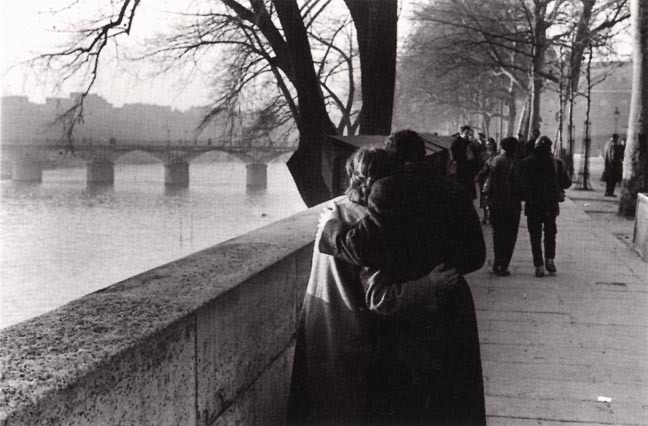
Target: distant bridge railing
(247,152)
(28,159)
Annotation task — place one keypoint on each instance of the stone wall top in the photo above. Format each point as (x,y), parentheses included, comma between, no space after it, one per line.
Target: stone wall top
(51,352)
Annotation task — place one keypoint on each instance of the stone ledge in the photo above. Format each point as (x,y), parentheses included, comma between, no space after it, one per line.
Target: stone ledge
(141,323)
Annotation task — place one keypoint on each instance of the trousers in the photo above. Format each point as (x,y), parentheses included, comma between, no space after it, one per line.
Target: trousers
(505,222)
(536,226)
(609,186)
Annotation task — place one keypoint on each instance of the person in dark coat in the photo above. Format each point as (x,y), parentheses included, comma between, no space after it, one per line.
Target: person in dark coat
(465,157)
(504,203)
(487,158)
(340,321)
(613,164)
(529,145)
(417,220)
(543,179)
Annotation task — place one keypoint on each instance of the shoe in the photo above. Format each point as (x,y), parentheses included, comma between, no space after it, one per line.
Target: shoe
(550,266)
(610,195)
(502,272)
(539,272)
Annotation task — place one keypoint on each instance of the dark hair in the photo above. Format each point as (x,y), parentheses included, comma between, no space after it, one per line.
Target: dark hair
(480,134)
(543,145)
(615,136)
(509,145)
(464,128)
(363,168)
(405,146)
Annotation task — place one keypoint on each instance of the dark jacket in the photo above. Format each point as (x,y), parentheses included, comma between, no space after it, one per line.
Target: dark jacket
(542,178)
(417,219)
(503,184)
(466,168)
(429,368)
(613,165)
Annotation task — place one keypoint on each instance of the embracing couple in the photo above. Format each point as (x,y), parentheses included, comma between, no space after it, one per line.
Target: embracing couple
(388,333)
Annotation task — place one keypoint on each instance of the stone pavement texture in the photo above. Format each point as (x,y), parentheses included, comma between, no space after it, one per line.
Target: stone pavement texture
(552,346)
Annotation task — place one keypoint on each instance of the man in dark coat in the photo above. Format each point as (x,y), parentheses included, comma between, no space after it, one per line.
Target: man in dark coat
(529,146)
(613,166)
(542,181)
(431,370)
(465,157)
(504,203)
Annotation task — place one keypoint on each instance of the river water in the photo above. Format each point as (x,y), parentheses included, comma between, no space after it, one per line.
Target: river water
(60,239)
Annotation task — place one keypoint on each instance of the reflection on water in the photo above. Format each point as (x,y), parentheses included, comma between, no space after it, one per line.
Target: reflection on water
(62,239)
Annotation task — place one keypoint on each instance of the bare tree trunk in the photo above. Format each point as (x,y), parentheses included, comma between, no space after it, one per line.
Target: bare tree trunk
(523,123)
(313,121)
(512,112)
(486,122)
(376,25)
(635,163)
(558,146)
(581,39)
(587,140)
(539,49)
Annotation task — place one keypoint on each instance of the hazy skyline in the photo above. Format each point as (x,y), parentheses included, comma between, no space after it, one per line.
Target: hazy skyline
(29,28)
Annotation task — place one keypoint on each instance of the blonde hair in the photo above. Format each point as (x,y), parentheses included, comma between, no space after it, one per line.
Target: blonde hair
(363,168)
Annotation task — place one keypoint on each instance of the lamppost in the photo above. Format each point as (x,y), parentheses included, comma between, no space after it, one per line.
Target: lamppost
(616,118)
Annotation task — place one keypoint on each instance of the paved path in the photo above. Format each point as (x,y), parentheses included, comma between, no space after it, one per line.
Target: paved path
(551,346)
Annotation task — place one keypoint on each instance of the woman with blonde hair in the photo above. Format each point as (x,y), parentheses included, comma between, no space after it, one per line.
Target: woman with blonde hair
(344,316)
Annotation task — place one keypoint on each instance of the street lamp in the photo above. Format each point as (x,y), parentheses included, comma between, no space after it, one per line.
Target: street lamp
(616,118)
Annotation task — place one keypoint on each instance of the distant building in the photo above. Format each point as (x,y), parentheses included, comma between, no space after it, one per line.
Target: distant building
(610,106)
(30,123)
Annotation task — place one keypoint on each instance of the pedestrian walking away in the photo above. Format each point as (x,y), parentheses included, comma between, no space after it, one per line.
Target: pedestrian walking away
(543,180)
(502,189)
(487,157)
(465,160)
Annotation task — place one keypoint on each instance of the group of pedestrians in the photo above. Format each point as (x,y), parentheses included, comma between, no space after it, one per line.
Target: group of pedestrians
(388,333)
(521,172)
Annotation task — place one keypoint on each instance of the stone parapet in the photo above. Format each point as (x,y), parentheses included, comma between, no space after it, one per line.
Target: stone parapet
(205,340)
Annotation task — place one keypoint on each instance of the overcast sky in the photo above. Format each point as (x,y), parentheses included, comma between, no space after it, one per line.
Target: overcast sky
(28,27)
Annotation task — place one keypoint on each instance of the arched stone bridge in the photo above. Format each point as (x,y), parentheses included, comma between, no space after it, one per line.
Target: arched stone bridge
(29,159)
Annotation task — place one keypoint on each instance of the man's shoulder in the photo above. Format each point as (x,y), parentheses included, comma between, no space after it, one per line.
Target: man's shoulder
(499,159)
(350,211)
(388,193)
(408,185)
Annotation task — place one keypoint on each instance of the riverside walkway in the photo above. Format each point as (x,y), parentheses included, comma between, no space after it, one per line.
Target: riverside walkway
(569,349)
